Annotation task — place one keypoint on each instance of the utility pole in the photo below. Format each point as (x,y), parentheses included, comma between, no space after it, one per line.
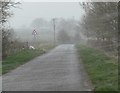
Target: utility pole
(54,30)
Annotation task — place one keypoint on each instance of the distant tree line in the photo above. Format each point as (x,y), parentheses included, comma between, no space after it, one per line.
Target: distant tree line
(68,31)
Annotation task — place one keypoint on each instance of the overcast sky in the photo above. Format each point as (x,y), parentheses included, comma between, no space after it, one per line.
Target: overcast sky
(47,10)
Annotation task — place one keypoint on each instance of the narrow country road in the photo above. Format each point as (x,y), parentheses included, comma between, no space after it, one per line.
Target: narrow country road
(58,70)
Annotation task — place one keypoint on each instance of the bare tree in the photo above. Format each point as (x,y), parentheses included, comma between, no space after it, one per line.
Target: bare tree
(39,23)
(5,31)
(100,22)
(63,37)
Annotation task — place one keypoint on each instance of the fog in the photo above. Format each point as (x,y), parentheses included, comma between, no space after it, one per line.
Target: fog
(28,11)
(38,16)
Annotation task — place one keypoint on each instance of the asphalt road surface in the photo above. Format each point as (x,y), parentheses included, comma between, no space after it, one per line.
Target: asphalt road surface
(58,70)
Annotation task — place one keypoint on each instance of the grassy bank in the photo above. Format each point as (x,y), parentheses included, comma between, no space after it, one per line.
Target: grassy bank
(20,58)
(102,70)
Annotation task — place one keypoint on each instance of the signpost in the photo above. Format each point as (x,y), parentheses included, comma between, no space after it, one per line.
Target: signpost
(34,33)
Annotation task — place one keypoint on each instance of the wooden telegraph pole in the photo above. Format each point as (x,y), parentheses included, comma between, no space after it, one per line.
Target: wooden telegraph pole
(54,28)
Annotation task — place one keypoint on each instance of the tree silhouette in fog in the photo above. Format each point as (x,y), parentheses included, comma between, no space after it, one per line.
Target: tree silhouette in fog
(63,37)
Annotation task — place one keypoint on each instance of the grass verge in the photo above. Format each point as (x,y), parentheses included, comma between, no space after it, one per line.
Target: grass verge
(20,58)
(102,70)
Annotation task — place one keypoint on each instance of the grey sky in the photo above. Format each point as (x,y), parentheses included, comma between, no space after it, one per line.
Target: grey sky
(47,10)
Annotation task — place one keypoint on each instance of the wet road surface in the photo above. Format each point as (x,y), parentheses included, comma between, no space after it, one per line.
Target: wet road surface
(58,70)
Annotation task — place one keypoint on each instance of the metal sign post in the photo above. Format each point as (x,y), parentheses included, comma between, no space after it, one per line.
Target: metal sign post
(34,33)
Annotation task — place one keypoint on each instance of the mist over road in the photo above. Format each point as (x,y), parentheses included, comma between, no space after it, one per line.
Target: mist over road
(58,70)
